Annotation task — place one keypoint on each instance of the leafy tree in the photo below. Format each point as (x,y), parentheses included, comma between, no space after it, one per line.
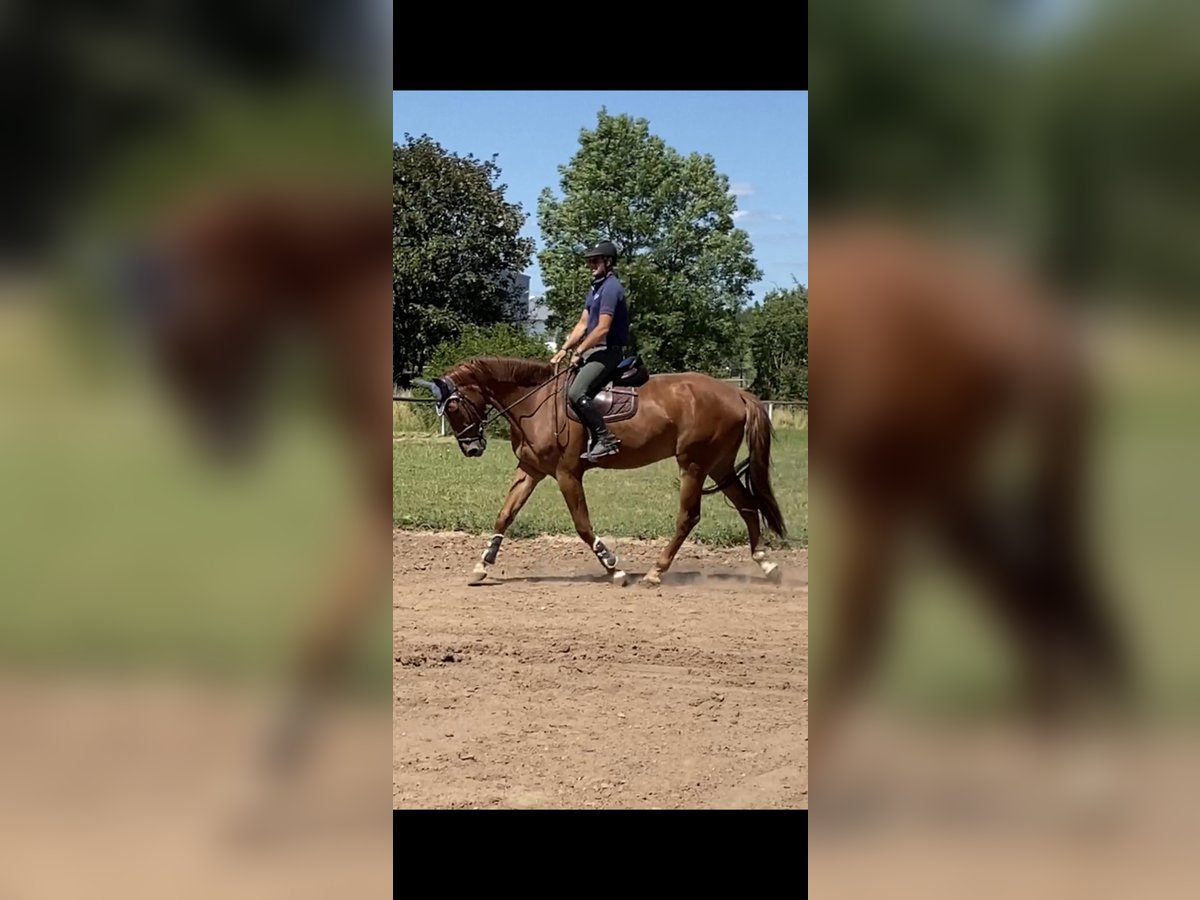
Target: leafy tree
(495,340)
(687,270)
(778,332)
(981,113)
(453,239)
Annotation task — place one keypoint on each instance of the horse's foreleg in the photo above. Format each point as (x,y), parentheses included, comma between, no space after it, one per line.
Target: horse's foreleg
(690,484)
(518,492)
(572,491)
(328,639)
(857,618)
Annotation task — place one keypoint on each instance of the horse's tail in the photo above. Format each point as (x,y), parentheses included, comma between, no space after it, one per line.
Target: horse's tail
(759,431)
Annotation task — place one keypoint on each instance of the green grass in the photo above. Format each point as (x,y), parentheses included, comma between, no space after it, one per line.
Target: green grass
(124,551)
(414,418)
(435,487)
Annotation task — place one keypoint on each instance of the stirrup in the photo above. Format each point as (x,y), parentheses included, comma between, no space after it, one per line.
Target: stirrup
(600,450)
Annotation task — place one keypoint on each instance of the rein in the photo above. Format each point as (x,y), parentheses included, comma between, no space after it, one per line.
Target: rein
(481,422)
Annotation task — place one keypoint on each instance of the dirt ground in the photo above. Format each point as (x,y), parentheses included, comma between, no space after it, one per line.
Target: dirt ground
(549,687)
(144,787)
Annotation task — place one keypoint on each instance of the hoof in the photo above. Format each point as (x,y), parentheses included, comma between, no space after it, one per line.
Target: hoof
(651,579)
(619,577)
(479,574)
(773,572)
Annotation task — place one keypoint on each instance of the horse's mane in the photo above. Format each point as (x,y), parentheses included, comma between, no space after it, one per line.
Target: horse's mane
(509,369)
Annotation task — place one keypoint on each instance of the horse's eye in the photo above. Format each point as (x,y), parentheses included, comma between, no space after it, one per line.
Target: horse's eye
(452,404)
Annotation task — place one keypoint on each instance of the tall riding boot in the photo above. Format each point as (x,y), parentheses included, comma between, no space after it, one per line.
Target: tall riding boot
(604,442)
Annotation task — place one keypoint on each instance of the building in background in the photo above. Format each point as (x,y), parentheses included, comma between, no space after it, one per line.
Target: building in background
(538,313)
(517,309)
(529,313)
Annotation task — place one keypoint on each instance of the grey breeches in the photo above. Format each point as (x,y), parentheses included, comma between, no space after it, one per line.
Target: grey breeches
(597,371)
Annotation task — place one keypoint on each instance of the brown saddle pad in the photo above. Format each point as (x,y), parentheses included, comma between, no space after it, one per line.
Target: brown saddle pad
(615,404)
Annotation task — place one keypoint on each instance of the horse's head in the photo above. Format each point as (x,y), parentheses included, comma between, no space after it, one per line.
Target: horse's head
(464,407)
(203,342)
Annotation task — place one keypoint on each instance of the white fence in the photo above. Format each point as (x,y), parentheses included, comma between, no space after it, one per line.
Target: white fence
(441,420)
(771,404)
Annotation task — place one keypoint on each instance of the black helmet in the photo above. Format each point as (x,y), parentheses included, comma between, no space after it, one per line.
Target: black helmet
(601,248)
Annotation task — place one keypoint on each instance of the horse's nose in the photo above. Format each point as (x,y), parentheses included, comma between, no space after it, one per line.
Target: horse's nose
(474,451)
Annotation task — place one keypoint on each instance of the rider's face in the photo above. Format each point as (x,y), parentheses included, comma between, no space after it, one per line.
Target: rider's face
(596,264)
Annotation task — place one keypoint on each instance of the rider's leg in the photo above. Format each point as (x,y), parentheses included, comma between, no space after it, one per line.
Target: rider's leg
(594,375)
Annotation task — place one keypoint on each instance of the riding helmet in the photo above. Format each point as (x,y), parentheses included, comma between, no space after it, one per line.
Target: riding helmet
(601,248)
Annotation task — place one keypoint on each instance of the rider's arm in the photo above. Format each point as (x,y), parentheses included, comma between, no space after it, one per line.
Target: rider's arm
(599,333)
(577,332)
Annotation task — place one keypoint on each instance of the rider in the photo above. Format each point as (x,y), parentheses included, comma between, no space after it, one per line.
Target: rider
(599,341)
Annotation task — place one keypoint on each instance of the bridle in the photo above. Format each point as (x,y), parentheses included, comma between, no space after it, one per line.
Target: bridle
(480,422)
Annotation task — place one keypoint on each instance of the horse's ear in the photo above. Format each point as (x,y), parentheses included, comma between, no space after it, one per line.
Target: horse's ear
(442,389)
(437,387)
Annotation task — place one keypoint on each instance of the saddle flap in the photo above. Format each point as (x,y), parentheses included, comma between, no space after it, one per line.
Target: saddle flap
(615,404)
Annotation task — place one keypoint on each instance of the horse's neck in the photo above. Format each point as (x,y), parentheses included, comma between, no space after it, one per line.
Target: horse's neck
(502,394)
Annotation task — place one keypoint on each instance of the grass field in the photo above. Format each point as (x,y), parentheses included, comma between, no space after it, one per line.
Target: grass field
(435,487)
(124,550)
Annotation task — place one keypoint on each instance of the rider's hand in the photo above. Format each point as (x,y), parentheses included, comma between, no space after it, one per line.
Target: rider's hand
(558,357)
(576,359)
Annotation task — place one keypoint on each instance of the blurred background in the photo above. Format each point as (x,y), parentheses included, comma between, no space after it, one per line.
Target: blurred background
(154,597)
(1058,139)
(169,547)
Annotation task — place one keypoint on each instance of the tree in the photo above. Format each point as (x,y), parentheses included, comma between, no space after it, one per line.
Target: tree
(495,340)
(453,240)
(687,270)
(982,113)
(779,345)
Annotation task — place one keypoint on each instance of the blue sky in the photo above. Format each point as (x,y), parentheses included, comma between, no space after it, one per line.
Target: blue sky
(759,139)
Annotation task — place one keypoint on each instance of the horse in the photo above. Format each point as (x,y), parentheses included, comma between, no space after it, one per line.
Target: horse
(220,283)
(927,356)
(695,418)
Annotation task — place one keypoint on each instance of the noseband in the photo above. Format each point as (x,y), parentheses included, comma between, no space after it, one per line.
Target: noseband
(479,422)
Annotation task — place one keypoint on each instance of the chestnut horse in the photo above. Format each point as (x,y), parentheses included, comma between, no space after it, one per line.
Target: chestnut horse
(693,417)
(233,276)
(930,358)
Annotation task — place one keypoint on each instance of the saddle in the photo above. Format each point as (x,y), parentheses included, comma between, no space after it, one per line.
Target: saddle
(617,400)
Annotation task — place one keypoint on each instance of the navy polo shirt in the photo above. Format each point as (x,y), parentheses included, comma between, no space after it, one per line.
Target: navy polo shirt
(607,295)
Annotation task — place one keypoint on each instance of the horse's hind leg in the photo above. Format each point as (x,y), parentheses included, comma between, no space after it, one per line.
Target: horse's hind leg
(519,491)
(572,491)
(1045,595)
(743,502)
(691,482)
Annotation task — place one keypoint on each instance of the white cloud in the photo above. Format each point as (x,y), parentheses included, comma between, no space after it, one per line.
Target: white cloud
(746,216)
(741,189)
